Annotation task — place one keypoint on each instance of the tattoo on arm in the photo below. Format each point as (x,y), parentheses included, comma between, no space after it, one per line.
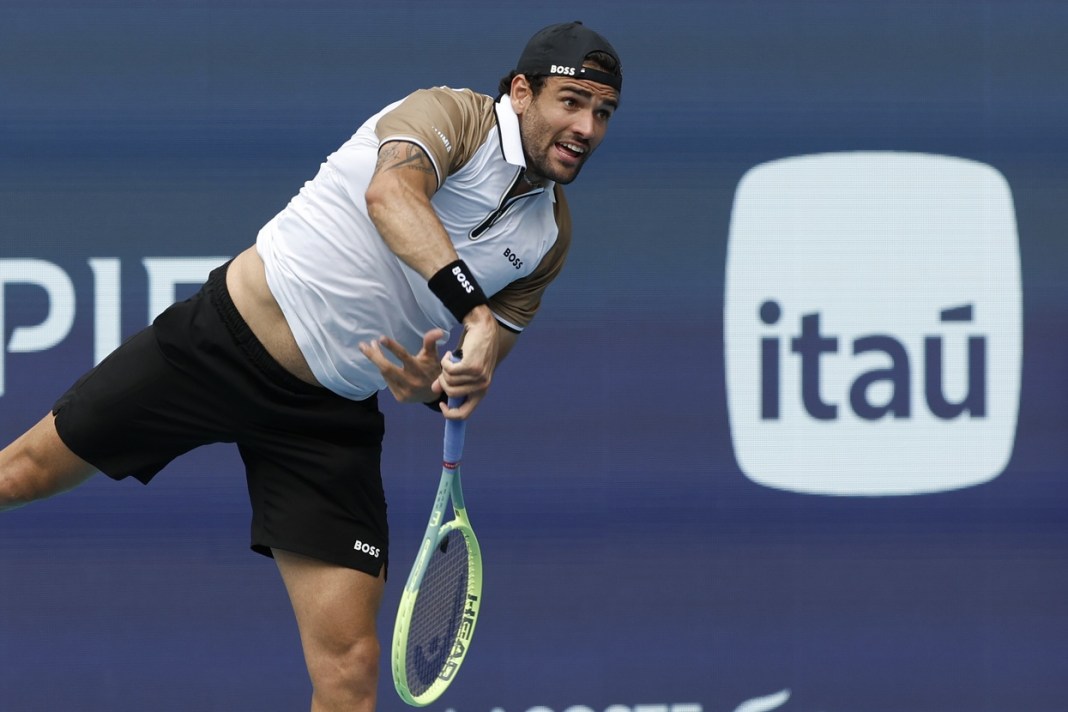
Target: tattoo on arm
(401,154)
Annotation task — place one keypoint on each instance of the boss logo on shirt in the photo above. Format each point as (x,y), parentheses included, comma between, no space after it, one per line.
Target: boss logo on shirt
(516,261)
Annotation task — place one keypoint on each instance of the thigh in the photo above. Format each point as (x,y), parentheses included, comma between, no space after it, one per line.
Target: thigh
(336,608)
(331,602)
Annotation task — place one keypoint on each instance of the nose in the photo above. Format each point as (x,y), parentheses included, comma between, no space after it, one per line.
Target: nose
(584,124)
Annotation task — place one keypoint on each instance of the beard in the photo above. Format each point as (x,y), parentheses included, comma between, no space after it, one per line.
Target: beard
(541,168)
(539,143)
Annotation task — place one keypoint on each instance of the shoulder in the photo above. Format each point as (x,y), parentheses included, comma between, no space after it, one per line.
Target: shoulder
(449,124)
(438,104)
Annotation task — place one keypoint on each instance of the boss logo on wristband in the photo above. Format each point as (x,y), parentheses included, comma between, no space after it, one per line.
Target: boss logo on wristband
(462,278)
(455,286)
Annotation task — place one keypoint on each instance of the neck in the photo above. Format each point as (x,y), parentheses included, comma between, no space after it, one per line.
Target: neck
(531,180)
(527,183)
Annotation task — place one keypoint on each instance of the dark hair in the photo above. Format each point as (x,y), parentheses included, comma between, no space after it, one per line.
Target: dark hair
(536,81)
(600,60)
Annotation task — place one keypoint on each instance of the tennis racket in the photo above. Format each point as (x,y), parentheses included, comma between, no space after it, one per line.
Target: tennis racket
(440,603)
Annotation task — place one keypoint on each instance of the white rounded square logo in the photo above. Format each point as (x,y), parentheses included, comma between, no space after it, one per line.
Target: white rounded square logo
(873,323)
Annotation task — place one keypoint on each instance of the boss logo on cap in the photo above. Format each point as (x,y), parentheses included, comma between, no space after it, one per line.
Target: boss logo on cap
(560,69)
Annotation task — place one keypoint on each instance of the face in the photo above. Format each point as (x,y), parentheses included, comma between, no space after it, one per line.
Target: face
(563,125)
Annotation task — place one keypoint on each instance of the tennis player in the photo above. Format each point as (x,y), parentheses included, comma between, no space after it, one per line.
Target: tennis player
(443,212)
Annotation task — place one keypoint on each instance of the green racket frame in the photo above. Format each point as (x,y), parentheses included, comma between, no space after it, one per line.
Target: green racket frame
(449,489)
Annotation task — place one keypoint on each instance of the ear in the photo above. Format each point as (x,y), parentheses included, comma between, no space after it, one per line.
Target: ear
(521,93)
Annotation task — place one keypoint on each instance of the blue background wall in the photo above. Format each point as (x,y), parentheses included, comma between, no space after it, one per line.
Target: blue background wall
(629,560)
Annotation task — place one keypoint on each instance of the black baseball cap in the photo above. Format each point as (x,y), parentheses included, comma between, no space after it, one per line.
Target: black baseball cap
(559,50)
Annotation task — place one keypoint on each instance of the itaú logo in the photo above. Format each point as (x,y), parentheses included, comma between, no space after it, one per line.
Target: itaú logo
(873,324)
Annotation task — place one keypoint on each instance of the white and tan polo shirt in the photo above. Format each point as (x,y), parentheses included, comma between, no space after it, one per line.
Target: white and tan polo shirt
(337,282)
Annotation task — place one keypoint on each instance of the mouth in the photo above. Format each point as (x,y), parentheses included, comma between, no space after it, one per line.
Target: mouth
(573,151)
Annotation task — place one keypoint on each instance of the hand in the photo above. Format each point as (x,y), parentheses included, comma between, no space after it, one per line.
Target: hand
(413,381)
(471,376)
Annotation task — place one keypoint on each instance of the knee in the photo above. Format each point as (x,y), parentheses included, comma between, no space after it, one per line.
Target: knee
(345,674)
(16,487)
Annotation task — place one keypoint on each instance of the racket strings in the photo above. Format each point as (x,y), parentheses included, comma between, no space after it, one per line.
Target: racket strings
(438,613)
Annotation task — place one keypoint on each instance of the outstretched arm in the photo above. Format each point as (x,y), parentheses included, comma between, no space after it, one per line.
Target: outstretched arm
(398,202)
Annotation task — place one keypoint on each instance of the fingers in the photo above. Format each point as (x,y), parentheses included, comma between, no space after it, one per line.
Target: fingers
(422,376)
(465,409)
(414,379)
(431,339)
(429,349)
(464,376)
(468,379)
(373,351)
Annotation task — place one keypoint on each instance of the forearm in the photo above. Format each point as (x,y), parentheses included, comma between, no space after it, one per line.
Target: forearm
(412,231)
(398,203)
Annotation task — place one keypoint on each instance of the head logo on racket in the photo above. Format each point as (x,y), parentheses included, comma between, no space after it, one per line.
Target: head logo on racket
(440,603)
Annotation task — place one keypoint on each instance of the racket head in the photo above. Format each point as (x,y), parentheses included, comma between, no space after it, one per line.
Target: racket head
(437,616)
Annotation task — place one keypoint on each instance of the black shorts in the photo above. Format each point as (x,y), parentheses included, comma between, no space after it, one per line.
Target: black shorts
(198,375)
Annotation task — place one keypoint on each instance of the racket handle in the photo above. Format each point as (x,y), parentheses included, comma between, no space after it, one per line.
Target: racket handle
(454,429)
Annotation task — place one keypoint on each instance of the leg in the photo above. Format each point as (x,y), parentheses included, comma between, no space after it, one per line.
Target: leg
(336,609)
(38,465)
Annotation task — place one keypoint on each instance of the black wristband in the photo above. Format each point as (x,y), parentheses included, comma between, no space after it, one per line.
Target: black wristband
(457,289)
(434,405)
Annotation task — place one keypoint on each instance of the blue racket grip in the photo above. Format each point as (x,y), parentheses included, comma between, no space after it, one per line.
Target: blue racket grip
(454,429)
